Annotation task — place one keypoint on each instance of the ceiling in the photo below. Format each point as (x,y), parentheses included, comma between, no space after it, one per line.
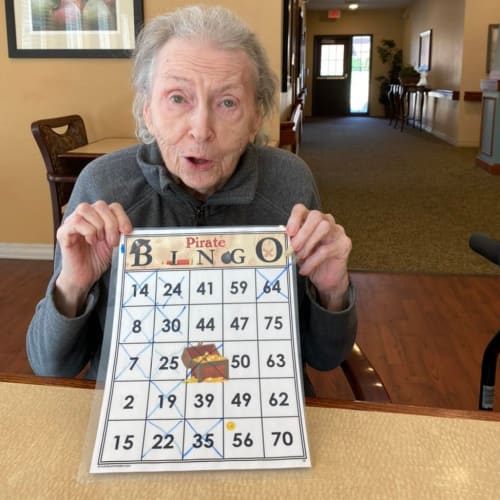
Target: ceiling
(363,4)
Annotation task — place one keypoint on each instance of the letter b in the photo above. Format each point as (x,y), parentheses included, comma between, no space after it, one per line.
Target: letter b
(141,249)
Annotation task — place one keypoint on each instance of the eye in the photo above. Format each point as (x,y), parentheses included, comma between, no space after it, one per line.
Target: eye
(228,103)
(177,99)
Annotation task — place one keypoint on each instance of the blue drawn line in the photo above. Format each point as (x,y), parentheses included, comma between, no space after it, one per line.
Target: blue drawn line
(218,348)
(139,285)
(165,432)
(178,353)
(187,452)
(168,298)
(180,333)
(271,283)
(137,364)
(141,320)
(157,407)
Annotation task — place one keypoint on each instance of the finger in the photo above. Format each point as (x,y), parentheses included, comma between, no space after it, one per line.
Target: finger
(308,235)
(75,228)
(84,221)
(297,216)
(124,224)
(314,260)
(110,220)
(338,248)
(317,229)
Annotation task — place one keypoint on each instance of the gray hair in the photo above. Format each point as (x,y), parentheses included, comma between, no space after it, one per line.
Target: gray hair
(216,24)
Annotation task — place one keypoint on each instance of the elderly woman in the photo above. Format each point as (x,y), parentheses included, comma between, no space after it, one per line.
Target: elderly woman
(203,88)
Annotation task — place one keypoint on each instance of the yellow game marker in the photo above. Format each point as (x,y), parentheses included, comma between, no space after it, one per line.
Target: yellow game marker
(230,426)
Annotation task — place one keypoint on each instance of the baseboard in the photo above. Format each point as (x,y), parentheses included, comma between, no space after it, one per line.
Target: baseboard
(451,140)
(491,168)
(34,251)
(441,135)
(468,144)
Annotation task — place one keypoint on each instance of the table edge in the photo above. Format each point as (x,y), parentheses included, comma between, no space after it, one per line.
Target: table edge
(310,402)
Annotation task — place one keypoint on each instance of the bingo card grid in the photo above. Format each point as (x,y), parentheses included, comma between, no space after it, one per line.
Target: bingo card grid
(217,313)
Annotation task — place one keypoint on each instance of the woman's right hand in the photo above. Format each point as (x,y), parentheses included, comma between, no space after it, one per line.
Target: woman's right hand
(86,239)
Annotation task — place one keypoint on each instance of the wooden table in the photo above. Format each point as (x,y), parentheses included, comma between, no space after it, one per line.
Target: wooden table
(358,450)
(98,148)
(406,104)
(76,159)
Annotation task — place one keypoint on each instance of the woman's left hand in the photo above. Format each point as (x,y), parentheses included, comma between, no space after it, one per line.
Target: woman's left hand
(322,250)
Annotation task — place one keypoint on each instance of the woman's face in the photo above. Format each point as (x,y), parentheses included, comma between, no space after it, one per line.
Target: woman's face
(202,112)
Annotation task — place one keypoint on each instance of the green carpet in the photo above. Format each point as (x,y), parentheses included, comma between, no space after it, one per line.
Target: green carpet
(408,200)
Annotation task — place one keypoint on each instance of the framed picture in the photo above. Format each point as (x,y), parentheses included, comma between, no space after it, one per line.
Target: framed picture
(286,45)
(425,50)
(492,43)
(73,28)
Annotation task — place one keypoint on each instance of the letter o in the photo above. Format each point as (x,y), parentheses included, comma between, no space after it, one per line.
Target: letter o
(260,253)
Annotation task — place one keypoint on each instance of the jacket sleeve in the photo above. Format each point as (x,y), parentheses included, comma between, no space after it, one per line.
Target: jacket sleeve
(327,337)
(58,346)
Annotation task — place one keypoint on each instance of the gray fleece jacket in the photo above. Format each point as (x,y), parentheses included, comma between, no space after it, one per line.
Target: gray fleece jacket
(262,191)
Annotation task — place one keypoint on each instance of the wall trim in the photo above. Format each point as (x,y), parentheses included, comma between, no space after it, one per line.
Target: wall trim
(468,144)
(450,140)
(440,135)
(33,251)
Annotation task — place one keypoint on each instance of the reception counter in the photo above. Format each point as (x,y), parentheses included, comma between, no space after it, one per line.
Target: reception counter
(358,450)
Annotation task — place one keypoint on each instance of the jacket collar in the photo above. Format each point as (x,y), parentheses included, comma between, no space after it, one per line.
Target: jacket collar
(239,189)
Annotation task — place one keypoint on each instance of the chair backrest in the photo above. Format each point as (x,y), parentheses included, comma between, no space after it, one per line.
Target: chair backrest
(363,379)
(55,136)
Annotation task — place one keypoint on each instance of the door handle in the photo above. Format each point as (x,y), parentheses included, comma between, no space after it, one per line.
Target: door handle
(340,77)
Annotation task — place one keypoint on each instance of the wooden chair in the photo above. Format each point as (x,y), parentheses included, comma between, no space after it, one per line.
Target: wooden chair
(55,136)
(363,379)
(291,130)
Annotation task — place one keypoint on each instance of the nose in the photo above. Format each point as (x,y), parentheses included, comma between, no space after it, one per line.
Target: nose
(201,126)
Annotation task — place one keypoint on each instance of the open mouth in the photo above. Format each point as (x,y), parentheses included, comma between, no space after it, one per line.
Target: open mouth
(198,162)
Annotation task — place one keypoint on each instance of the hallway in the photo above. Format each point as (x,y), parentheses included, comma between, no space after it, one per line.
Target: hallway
(408,200)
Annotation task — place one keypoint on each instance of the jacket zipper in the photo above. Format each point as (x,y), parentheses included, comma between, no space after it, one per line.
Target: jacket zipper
(201,215)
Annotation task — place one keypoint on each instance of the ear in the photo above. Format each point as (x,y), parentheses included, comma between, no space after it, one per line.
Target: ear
(146,115)
(255,126)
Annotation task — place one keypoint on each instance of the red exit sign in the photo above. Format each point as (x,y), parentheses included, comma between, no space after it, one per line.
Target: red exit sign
(334,14)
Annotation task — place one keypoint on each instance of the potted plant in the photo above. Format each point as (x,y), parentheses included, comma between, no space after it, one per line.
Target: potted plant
(391,56)
(408,75)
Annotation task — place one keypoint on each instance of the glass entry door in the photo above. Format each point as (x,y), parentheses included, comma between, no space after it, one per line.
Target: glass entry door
(341,75)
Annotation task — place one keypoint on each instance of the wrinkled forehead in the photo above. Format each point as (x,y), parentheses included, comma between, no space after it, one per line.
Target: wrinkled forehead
(203,57)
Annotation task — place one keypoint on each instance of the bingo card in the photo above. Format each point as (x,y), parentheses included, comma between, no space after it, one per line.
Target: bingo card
(204,369)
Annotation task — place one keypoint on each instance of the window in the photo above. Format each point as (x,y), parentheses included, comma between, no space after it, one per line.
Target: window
(332,60)
(360,74)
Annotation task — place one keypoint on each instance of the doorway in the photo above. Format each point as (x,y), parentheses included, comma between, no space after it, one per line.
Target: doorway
(341,75)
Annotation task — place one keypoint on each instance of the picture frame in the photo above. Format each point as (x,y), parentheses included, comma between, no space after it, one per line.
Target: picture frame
(286,46)
(83,29)
(492,42)
(425,50)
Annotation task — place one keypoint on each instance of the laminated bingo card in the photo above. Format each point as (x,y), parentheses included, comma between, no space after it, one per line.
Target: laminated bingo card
(204,369)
